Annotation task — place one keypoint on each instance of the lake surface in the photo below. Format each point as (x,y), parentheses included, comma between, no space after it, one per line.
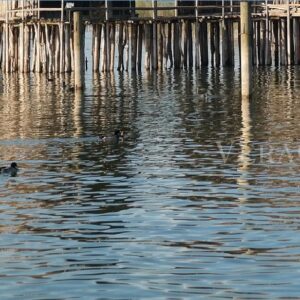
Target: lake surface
(200,201)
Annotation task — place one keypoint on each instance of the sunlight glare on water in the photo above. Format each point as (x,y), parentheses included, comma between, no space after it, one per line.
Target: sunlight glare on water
(200,200)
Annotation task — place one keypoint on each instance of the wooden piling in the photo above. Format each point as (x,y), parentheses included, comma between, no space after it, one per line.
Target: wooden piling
(262,37)
(190,44)
(283,45)
(154,45)
(112,38)
(140,46)
(133,44)
(68,49)
(296,41)
(203,43)
(245,20)
(147,30)
(176,47)
(169,45)
(121,47)
(217,43)
(27,44)
(96,47)
(78,51)
(276,43)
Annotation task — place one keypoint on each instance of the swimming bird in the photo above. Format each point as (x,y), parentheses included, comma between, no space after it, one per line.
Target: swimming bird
(115,138)
(11,171)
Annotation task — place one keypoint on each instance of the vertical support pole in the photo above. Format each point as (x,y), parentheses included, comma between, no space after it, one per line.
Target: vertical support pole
(6,40)
(61,39)
(140,46)
(288,20)
(147,40)
(121,47)
(203,44)
(78,51)
(197,56)
(154,36)
(217,43)
(169,45)
(37,28)
(276,43)
(283,42)
(296,40)
(245,49)
(133,44)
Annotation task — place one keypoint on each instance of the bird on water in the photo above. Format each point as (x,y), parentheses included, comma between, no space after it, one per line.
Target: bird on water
(115,138)
(11,171)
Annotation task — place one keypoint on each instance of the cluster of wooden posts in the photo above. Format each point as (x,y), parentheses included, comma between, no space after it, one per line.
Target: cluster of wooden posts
(40,46)
(159,45)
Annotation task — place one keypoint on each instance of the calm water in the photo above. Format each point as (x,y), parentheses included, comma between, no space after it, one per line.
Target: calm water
(200,201)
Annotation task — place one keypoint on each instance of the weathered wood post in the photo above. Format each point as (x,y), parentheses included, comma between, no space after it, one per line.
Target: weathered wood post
(245,49)
(78,51)
(288,24)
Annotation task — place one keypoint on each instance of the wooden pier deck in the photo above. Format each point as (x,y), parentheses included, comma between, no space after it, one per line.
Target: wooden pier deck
(37,39)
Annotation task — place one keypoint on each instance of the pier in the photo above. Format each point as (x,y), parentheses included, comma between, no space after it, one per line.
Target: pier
(49,36)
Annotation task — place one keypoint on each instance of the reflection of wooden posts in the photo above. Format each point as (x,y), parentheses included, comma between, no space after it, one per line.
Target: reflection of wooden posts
(245,49)
(78,51)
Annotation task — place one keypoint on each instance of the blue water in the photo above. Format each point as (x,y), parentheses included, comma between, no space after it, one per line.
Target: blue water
(200,200)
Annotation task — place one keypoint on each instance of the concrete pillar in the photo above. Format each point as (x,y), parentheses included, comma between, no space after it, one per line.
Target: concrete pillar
(78,50)
(245,48)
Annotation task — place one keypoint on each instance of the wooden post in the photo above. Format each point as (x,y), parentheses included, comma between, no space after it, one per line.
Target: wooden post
(267,53)
(276,43)
(126,43)
(217,43)
(6,40)
(21,48)
(283,42)
(224,34)
(140,46)
(296,41)
(262,50)
(154,36)
(133,44)
(212,44)
(121,47)
(203,43)
(169,45)
(160,46)
(288,34)
(68,49)
(96,46)
(112,46)
(78,51)
(103,49)
(185,44)
(26,66)
(190,44)
(245,49)
(147,46)
(61,39)
(176,48)
(196,37)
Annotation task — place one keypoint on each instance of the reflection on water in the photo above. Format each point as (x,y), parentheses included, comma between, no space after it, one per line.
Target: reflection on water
(199,201)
